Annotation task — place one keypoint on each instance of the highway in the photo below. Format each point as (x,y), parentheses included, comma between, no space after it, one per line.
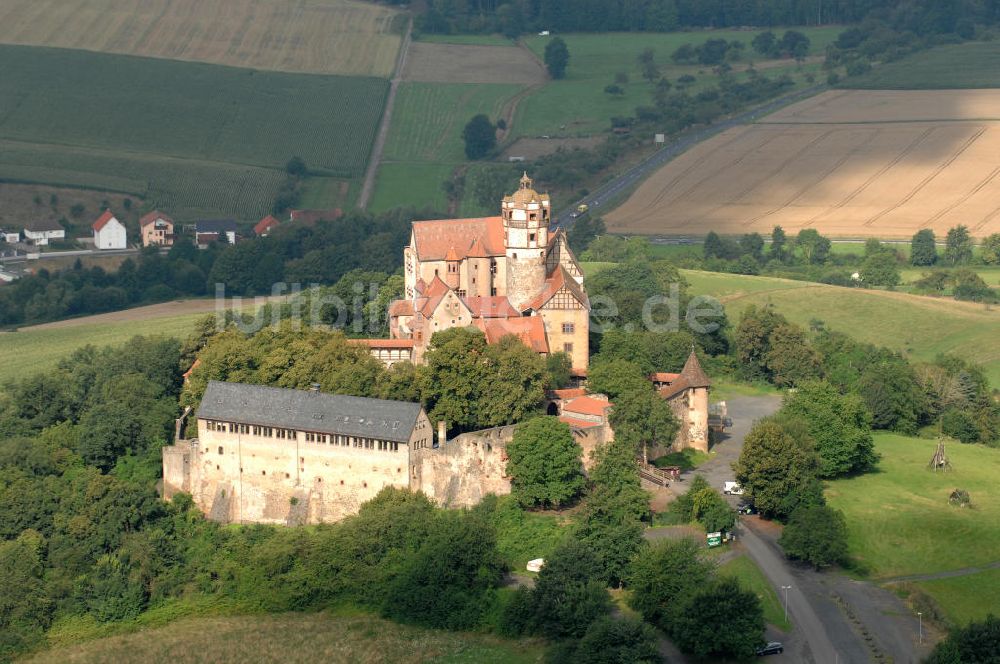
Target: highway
(634,175)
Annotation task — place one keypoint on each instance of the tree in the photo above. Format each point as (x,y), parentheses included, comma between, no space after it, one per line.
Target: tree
(558,368)
(480,137)
(614,89)
(296,167)
(568,596)
(975,642)
(544,463)
(611,520)
(790,360)
(664,576)
(816,534)
(880,269)
(753,340)
(840,425)
(764,43)
(779,240)
(611,640)
(25,608)
(923,248)
(776,470)
(556,57)
(722,619)
(958,246)
(893,394)
(991,249)
(446,583)
(712,511)
(814,247)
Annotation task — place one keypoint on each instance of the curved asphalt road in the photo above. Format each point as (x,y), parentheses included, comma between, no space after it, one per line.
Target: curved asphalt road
(639,172)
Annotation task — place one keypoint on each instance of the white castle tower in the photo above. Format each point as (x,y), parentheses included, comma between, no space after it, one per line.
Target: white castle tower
(526,230)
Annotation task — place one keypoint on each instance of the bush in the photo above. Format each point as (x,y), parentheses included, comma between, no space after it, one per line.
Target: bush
(817,535)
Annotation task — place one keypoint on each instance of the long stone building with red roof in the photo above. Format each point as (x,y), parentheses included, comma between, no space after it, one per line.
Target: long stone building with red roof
(504,275)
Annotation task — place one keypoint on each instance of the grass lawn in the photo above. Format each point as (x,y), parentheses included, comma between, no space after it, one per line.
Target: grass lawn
(969,65)
(32,351)
(687,459)
(899,519)
(428,119)
(594,267)
(320,193)
(194,139)
(412,183)
(578,105)
(723,389)
(524,536)
(965,598)
(745,570)
(296,637)
(920,327)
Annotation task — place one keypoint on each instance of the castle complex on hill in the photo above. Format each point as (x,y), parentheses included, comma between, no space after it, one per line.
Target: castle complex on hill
(504,275)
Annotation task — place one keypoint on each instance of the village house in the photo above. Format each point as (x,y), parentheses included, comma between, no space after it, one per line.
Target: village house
(207,231)
(10,236)
(263,227)
(157,230)
(41,231)
(109,233)
(503,275)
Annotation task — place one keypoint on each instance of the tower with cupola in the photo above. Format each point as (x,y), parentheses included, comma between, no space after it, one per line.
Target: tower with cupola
(526,229)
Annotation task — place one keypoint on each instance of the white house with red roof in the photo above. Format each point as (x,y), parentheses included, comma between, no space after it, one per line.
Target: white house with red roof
(503,275)
(263,227)
(109,233)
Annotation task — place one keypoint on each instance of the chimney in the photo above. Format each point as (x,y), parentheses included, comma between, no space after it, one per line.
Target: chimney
(442,432)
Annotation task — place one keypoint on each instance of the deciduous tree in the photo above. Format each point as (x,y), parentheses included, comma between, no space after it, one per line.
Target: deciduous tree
(816,534)
(544,463)
(556,57)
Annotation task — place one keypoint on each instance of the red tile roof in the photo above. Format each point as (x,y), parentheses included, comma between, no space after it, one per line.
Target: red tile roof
(529,329)
(103,220)
(587,405)
(663,377)
(265,224)
(147,219)
(495,306)
(579,424)
(401,308)
(432,239)
(569,392)
(558,280)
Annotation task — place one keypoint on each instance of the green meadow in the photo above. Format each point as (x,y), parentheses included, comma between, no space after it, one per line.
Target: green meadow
(920,327)
(744,570)
(900,521)
(967,65)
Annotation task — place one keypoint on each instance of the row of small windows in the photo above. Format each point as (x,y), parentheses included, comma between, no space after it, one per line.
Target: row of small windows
(310,437)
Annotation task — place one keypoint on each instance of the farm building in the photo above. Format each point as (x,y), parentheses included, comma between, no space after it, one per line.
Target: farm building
(263,227)
(109,233)
(10,236)
(207,231)
(157,230)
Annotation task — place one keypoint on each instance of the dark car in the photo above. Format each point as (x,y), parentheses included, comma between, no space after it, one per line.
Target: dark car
(746,508)
(772,648)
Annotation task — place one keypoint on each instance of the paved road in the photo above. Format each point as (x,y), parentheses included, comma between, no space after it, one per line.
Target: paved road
(639,172)
(829,612)
(368,186)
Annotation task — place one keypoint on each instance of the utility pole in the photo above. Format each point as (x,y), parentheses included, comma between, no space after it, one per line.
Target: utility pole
(786,589)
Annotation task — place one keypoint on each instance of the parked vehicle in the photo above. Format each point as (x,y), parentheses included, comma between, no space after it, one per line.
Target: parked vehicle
(732,489)
(772,648)
(746,508)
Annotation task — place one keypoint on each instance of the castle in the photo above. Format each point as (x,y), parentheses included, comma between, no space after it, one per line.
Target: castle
(504,275)
(281,456)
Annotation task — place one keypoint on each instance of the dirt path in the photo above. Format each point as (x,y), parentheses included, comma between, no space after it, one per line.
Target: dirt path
(383,131)
(949,574)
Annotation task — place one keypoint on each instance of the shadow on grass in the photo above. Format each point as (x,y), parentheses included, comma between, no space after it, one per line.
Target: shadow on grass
(686,460)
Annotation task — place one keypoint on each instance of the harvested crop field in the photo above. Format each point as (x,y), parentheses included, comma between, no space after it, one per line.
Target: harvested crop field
(454,63)
(849,164)
(314,36)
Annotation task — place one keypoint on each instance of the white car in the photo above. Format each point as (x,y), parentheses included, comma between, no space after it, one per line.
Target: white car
(732,489)
(536,565)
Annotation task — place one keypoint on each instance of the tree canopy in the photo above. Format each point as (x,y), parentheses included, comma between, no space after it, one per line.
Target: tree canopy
(544,463)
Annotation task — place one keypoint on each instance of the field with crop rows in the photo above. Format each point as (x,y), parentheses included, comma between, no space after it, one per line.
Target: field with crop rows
(428,119)
(315,36)
(194,138)
(967,65)
(847,163)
